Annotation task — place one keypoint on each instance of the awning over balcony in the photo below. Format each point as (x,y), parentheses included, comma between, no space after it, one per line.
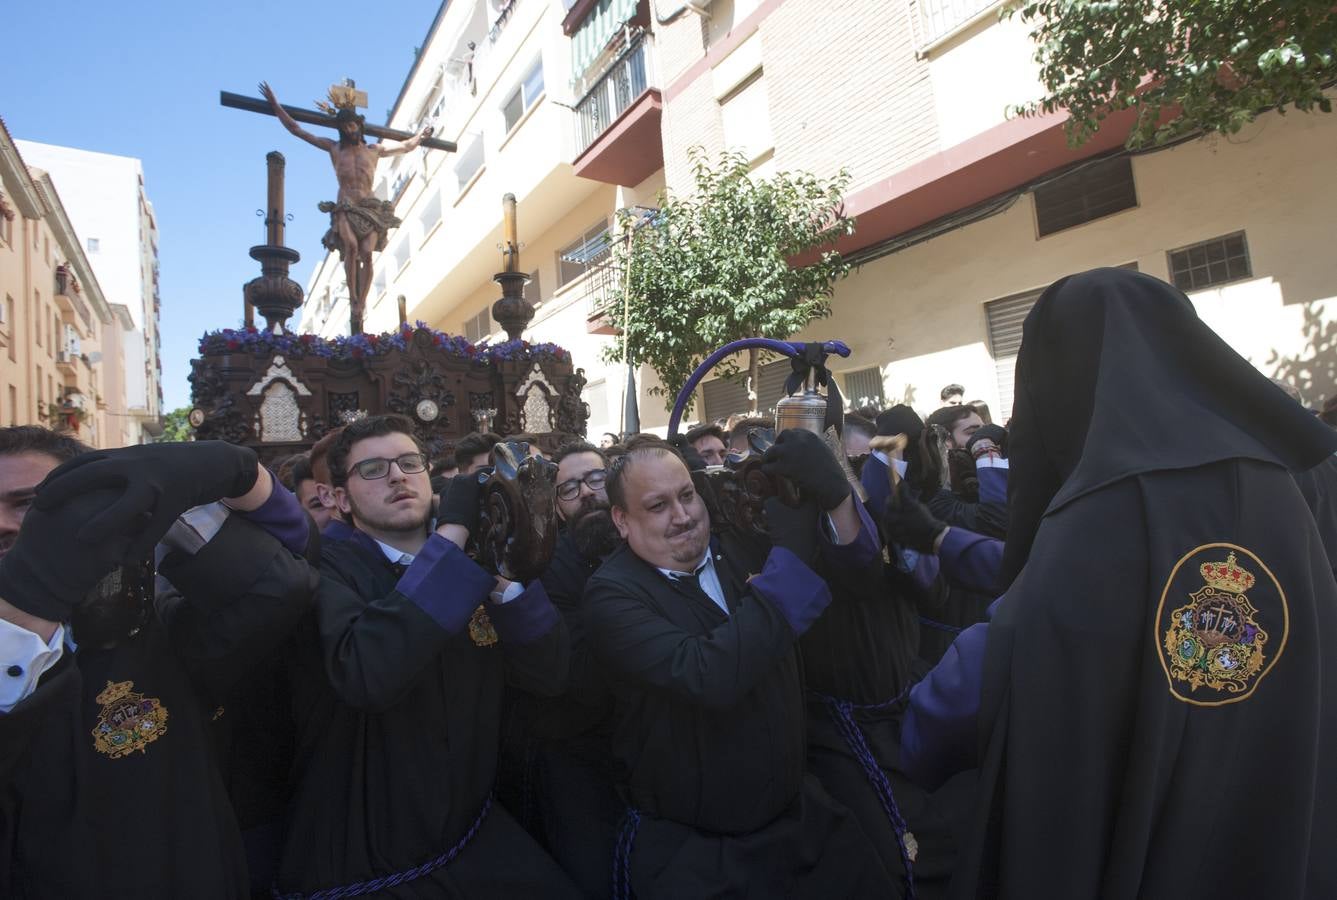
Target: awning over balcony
(603,21)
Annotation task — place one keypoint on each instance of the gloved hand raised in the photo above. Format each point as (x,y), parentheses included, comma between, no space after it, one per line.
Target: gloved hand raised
(986,438)
(909,523)
(49,570)
(155,482)
(459,502)
(794,528)
(804,459)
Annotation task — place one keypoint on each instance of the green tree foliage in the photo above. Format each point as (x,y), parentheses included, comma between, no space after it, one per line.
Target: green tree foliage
(1182,65)
(715,266)
(176,426)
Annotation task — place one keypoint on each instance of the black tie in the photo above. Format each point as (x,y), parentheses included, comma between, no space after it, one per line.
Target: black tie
(692,581)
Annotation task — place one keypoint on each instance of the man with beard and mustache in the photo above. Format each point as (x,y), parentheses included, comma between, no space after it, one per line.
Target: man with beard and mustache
(397,682)
(110,707)
(708,730)
(1162,631)
(558,749)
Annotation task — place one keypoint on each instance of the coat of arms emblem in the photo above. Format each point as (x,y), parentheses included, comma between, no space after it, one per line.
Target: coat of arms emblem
(481,631)
(1217,646)
(128,721)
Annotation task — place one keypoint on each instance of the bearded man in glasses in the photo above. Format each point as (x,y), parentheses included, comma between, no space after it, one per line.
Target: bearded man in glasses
(397,690)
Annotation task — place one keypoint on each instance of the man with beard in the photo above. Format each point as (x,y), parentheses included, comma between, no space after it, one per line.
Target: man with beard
(560,747)
(109,782)
(397,688)
(1162,631)
(708,693)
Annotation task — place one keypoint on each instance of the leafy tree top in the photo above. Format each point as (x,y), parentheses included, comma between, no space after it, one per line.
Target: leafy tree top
(715,265)
(1182,65)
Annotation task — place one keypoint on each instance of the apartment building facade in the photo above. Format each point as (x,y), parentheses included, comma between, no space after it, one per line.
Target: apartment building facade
(115,221)
(964,214)
(61,342)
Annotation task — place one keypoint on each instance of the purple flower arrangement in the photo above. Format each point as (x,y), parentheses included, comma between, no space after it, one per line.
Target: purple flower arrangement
(358,346)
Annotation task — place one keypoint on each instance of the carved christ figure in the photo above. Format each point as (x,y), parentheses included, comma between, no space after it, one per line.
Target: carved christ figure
(359,222)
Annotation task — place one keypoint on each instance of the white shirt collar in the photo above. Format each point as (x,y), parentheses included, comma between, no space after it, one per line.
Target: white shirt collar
(674,574)
(393,554)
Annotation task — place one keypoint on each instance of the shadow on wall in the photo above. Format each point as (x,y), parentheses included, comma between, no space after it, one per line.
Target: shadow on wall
(1314,371)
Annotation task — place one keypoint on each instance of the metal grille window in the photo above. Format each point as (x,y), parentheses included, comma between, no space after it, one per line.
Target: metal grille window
(1090,192)
(864,385)
(584,253)
(1005,319)
(939,17)
(1210,263)
(725,397)
(479,327)
(524,97)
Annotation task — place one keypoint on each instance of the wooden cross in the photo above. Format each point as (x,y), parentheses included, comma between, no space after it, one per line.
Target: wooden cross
(315,117)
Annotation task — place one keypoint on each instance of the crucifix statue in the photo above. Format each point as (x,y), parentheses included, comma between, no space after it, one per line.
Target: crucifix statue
(359,221)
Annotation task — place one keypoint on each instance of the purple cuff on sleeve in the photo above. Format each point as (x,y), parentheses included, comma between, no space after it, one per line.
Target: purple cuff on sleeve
(282,516)
(993,484)
(861,551)
(795,589)
(939,736)
(445,584)
(873,477)
(926,569)
(971,560)
(526,618)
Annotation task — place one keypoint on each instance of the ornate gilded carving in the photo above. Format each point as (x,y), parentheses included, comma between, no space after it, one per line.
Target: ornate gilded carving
(518,527)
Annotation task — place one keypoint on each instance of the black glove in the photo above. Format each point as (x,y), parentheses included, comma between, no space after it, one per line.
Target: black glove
(909,523)
(804,459)
(48,570)
(794,528)
(460,502)
(693,459)
(156,483)
(996,434)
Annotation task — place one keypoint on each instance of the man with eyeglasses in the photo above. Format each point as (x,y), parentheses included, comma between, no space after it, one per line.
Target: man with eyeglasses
(560,747)
(397,691)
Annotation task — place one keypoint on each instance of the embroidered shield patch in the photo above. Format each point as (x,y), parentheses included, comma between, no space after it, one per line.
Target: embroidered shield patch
(481,631)
(127,721)
(1221,625)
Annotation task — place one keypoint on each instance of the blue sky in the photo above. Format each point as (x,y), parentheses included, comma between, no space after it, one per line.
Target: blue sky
(142,79)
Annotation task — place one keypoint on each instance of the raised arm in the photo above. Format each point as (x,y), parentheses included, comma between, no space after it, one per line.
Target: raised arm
(290,123)
(406,146)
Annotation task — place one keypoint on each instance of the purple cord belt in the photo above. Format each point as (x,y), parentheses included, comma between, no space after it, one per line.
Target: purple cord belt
(358,889)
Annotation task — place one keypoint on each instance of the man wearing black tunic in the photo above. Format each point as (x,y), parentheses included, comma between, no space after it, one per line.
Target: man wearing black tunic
(397,689)
(1151,697)
(109,784)
(709,710)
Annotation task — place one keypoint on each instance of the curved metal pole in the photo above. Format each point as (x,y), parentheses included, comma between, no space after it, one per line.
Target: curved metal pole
(784,348)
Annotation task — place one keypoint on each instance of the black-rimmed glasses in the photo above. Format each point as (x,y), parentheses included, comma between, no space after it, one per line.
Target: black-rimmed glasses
(379,467)
(594,480)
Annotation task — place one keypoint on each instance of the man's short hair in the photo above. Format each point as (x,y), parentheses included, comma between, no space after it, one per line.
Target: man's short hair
(859,425)
(571,448)
(707,429)
(36,439)
(743,426)
(947,416)
(301,471)
(283,470)
(359,430)
(319,456)
(473,444)
(952,390)
(638,448)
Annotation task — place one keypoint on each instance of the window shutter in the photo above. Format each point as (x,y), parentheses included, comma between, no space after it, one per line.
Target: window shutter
(1005,320)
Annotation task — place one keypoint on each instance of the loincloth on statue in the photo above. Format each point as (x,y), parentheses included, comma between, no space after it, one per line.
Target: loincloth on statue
(364,217)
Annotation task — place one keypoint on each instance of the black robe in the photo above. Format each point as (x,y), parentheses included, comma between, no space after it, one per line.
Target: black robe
(1319,488)
(397,732)
(710,742)
(1156,716)
(76,821)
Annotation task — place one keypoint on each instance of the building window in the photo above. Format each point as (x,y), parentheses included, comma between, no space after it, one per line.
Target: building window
(526,95)
(431,213)
(46,249)
(1090,192)
(1210,263)
(379,283)
(584,253)
(470,161)
(94,245)
(937,18)
(746,117)
(480,326)
(401,254)
(864,386)
(533,290)
(37,310)
(1005,318)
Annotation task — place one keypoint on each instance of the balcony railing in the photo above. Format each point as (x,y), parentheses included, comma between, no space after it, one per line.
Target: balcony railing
(939,17)
(611,95)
